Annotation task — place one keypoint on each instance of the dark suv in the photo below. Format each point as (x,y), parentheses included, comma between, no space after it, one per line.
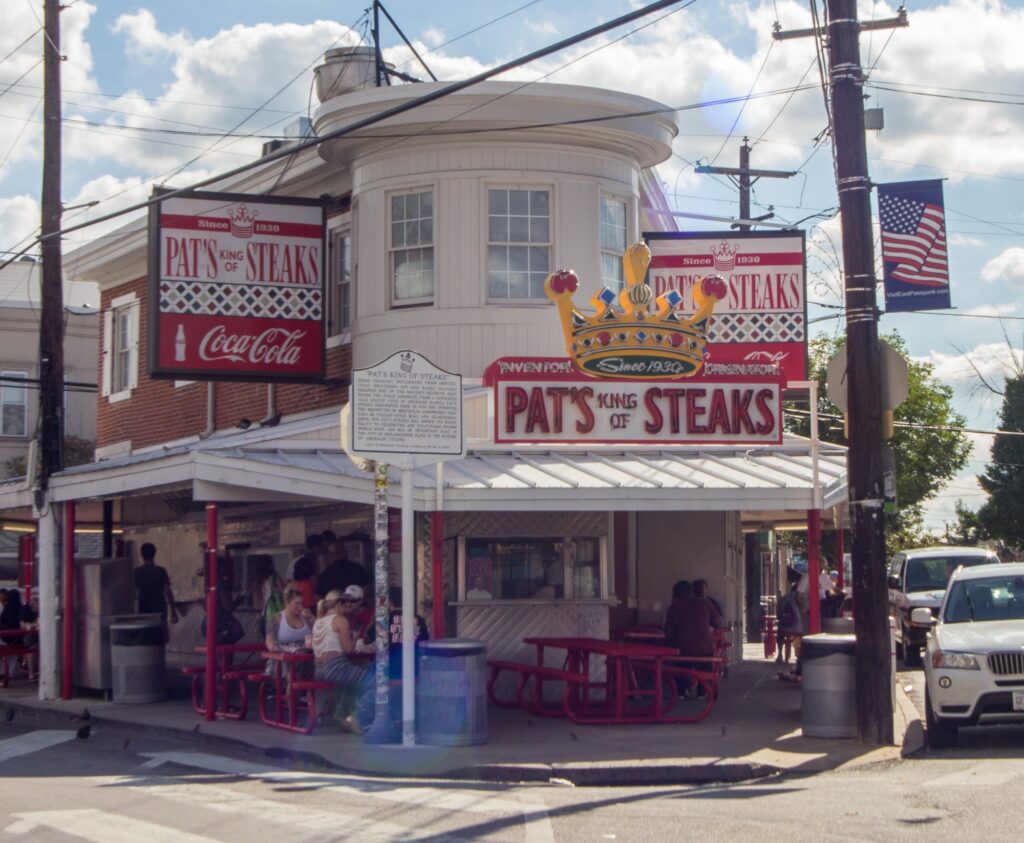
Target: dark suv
(917,580)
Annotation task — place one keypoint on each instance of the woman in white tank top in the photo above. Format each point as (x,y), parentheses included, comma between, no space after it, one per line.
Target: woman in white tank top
(289,631)
(333,642)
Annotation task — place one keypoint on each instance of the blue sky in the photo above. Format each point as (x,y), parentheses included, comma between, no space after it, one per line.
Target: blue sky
(202,67)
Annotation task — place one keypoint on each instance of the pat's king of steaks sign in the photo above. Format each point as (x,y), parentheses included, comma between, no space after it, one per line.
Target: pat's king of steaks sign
(236,288)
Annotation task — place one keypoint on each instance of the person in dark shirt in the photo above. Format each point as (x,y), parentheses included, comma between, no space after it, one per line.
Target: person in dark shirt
(366,708)
(153,587)
(340,574)
(689,622)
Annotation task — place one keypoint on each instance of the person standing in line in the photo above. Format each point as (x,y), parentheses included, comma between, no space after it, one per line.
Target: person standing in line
(153,588)
(311,553)
(702,584)
(341,573)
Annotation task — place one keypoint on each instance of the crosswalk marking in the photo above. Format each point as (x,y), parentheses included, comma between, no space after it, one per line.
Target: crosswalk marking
(33,742)
(304,817)
(995,771)
(101,827)
(447,799)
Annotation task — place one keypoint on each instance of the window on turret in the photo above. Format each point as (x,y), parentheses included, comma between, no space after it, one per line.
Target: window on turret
(613,241)
(412,248)
(518,244)
(339,298)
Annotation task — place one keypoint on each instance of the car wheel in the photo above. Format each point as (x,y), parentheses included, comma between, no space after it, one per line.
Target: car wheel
(941,733)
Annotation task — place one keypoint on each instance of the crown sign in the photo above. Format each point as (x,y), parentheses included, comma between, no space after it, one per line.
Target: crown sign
(242,220)
(405,362)
(634,342)
(725,256)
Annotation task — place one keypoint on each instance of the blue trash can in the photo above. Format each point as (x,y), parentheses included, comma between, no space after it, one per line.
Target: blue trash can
(451,692)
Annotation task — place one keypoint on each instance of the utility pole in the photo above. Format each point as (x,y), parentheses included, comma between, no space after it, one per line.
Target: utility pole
(743,177)
(863,380)
(51,366)
(51,319)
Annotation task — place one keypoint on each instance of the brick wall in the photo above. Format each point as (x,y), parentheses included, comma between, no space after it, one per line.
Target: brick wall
(159,412)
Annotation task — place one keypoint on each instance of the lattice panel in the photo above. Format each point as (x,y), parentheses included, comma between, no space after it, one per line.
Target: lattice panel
(533,524)
(757,327)
(270,302)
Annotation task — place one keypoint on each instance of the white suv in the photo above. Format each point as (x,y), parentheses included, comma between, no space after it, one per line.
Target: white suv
(974,665)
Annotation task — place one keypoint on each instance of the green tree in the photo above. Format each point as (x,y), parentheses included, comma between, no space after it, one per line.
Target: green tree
(77,451)
(1004,477)
(967,529)
(927,456)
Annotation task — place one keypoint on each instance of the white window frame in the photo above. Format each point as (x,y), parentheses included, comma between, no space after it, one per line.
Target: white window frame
(617,283)
(549,244)
(395,250)
(339,331)
(124,307)
(5,385)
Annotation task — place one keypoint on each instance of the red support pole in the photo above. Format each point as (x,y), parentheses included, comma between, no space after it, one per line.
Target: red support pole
(27,554)
(209,697)
(841,579)
(437,570)
(813,569)
(68,653)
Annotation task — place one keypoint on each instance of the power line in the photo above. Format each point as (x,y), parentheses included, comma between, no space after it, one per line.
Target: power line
(22,44)
(386,114)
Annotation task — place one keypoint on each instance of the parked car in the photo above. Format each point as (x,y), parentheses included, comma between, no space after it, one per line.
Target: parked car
(917,579)
(974,665)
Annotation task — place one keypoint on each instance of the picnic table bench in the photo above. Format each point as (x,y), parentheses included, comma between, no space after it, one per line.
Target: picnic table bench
(13,645)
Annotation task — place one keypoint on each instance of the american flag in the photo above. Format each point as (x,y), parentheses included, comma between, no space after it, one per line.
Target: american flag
(913,240)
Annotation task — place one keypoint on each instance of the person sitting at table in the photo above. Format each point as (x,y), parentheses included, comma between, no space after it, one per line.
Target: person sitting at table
(358,614)
(366,708)
(288,630)
(689,625)
(332,645)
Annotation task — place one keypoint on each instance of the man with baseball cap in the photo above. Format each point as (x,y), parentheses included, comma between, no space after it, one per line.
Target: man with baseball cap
(360,616)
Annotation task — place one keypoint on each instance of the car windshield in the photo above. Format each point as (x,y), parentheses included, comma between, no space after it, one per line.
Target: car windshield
(933,572)
(990,599)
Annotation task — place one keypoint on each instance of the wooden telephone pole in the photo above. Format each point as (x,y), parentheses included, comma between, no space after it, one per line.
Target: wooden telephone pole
(864,398)
(744,179)
(51,319)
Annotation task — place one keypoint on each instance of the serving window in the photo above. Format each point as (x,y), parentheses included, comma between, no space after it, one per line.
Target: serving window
(523,568)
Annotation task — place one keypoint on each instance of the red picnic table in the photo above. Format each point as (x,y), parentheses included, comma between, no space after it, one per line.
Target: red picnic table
(294,698)
(625,663)
(228,672)
(12,646)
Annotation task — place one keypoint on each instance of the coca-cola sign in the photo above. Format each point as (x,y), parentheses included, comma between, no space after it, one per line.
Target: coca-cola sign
(237,288)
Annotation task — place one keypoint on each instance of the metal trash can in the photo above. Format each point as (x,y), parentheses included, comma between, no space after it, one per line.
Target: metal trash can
(451,692)
(828,702)
(137,665)
(837,626)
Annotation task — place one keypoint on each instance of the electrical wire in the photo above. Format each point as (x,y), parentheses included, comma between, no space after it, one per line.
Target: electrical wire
(739,114)
(22,44)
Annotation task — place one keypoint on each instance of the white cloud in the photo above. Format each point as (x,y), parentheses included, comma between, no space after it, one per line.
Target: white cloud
(19,221)
(992,310)
(965,240)
(434,36)
(145,40)
(1006,267)
(541,27)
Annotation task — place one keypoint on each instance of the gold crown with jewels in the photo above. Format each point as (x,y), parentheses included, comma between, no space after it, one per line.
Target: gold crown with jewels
(635,342)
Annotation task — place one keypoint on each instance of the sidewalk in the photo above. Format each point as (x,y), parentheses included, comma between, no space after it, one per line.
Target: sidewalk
(753,731)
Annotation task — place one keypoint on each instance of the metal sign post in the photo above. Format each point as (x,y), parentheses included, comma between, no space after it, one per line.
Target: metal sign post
(381,730)
(406,411)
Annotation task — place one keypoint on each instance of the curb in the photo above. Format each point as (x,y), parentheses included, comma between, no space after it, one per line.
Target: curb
(579,775)
(913,735)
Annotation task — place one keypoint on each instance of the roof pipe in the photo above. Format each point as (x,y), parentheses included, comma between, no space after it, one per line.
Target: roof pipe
(211,421)
(273,417)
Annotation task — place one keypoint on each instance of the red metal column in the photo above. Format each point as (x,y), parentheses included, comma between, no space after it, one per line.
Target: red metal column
(841,579)
(437,570)
(210,695)
(813,569)
(27,554)
(68,653)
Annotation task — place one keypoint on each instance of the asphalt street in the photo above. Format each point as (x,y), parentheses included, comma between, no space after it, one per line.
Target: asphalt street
(115,787)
